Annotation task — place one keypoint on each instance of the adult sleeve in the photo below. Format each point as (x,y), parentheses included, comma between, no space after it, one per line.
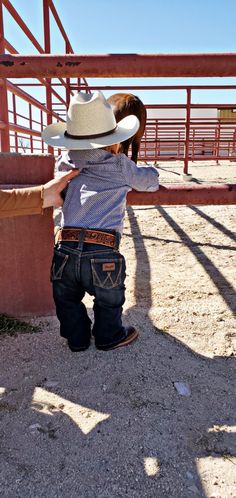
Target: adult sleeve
(21,201)
(141,178)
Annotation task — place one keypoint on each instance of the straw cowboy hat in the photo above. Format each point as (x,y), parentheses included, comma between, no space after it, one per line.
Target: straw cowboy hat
(90,124)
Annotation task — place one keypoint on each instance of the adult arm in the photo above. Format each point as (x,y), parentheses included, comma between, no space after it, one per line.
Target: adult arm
(21,201)
(32,200)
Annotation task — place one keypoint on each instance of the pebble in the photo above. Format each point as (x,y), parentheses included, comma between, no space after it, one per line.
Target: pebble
(182,388)
(50,383)
(35,427)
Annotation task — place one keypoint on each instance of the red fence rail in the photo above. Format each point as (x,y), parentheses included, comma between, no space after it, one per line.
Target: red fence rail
(185,138)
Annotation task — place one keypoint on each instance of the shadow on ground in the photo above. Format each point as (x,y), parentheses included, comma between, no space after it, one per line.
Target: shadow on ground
(112,424)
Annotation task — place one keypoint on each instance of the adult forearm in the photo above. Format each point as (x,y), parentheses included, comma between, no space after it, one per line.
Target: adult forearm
(21,201)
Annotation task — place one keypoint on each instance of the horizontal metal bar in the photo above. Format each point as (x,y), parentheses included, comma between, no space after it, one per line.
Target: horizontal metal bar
(118,65)
(73,86)
(185,195)
(176,195)
(23,129)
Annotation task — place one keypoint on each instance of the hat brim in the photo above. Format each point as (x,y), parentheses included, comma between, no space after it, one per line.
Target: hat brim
(54,135)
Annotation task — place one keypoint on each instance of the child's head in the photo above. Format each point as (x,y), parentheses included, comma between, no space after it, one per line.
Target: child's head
(90,124)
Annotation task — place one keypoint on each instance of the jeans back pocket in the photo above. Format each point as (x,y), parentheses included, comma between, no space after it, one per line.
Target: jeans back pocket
(108,273)
(58,264)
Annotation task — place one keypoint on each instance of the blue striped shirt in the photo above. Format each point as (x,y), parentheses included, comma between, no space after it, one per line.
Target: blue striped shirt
(96,198)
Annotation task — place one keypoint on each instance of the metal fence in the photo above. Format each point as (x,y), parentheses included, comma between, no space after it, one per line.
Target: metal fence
(23,115)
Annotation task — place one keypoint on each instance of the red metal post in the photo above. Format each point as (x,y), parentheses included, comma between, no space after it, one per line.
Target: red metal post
(31,127)
(179,139)
(41,123)
(193,145)
(187,131)
(47,48)
(157,141)
(234,140)
(15,120)
(4,135)
(217,150)
(68,91)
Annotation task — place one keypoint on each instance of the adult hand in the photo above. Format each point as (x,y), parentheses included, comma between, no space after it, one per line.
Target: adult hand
(53,189)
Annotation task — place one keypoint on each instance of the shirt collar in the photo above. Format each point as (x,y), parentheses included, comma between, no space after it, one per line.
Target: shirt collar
(92,155)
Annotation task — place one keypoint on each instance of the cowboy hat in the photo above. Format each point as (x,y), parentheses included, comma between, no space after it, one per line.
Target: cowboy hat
(90,124)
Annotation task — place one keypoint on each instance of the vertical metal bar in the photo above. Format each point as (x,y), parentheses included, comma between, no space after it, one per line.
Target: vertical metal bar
(156,139)
(187,130)
(234,140)
(4,135)
(67,79)
(157,151)
(178,147)
(41,122)
(31,127)
(219,138)
(47,48)
(15,120)
(193,145)
(145,144)
(233,153)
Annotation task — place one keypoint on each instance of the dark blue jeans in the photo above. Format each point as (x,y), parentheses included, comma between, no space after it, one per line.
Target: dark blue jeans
(77,268)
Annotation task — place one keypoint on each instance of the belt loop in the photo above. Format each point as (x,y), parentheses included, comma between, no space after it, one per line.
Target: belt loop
(117,241)
(81,239)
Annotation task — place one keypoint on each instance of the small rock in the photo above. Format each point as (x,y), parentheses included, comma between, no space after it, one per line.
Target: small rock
(182,388)
(35,427)
(189,475)
(50,383)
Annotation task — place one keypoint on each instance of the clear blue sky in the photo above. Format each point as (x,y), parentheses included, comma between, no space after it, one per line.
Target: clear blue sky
(138,26)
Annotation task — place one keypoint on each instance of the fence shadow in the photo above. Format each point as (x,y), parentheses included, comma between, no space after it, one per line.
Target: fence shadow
(224,287)
(112,424)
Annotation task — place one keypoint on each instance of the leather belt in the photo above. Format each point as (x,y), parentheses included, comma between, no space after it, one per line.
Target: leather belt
(90,236)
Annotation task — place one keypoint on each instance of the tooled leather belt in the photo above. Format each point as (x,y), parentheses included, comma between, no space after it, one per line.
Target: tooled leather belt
(90,236)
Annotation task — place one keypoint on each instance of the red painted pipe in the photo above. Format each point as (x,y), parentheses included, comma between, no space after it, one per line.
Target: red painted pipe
(117,65)
(187,195)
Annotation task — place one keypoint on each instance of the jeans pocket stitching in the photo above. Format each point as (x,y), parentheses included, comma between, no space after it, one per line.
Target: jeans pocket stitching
(57,275)
(97,280)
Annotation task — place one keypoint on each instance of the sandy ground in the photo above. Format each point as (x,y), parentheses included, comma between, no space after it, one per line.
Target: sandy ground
(156,419)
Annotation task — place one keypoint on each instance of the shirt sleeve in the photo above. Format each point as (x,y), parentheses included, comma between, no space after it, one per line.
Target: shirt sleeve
(20,202)
(141,178)
(63,163)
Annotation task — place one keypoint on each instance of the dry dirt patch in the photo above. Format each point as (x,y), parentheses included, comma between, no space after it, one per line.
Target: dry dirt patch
(156,419)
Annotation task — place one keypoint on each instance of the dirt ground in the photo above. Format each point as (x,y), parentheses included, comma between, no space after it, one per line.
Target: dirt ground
(156,419)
